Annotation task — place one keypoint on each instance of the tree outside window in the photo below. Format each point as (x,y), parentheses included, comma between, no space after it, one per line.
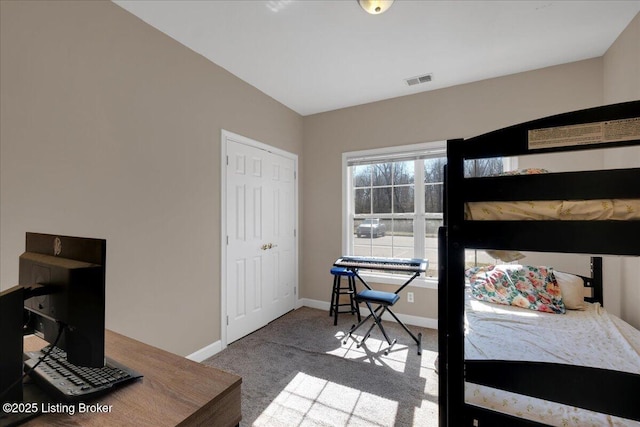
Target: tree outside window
(394,200)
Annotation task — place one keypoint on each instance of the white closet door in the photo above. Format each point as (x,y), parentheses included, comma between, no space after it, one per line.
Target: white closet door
(261,242)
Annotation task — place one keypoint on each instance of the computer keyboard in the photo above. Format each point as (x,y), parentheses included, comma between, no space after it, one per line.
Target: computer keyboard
(71,383)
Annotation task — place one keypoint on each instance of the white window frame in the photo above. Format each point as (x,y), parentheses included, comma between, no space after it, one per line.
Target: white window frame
(388,154)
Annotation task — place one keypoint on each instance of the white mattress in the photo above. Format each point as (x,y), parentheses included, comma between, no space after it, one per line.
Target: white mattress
(572,210)
(591,338)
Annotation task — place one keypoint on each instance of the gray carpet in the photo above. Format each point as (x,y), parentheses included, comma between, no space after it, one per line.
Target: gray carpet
(296,371)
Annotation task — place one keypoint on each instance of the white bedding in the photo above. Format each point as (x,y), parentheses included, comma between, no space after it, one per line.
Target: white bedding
(591,338)
(572,210)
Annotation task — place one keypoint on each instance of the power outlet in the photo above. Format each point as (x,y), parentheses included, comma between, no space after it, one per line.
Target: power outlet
(410,296)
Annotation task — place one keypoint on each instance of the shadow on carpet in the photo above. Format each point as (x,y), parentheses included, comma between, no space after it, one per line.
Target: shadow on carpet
(296,371)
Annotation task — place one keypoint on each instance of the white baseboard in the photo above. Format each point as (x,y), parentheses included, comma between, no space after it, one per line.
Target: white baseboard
(313,303)
(424,322)
(216,347)
(206,352)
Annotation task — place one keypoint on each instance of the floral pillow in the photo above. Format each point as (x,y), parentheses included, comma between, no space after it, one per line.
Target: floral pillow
(524,286)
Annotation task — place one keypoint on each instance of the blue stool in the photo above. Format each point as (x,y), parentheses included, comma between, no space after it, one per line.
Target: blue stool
(350,289)
(384,300)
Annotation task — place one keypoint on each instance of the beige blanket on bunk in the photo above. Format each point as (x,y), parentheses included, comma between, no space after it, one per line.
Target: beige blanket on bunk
(571,210)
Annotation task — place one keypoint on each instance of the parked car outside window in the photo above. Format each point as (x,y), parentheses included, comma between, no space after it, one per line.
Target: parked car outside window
(371,227)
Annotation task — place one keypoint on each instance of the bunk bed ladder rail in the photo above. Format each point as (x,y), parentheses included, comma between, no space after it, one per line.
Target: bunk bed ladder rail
(457,234)
(451,290)
(443,329)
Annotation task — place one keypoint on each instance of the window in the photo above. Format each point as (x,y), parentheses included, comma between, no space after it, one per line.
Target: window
(393,203)
(478,168)
(384,204)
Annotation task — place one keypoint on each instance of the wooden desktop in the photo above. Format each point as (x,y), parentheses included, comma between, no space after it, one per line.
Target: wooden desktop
(174,391)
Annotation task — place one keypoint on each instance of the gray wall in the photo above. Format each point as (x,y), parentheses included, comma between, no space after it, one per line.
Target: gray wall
(464,111)
(622,83)
(111,129)
(455,112)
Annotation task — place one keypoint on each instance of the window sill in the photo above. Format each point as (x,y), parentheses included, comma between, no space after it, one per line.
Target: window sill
(389,279)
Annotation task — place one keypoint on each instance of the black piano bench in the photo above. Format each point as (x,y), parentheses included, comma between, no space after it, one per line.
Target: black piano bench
(382,300)
(338,289)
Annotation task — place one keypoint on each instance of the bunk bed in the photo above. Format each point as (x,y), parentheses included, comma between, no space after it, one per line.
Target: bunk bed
(604,390)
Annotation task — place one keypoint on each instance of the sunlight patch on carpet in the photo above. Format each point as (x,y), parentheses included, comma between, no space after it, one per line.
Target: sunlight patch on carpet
(312,401)
(372,351)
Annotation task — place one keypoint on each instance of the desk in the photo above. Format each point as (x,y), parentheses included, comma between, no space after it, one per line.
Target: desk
(174,391)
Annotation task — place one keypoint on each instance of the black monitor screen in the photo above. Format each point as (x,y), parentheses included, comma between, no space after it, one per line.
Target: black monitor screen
(73,271)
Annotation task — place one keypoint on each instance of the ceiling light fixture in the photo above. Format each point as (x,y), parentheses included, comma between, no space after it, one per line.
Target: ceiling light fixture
(375,7)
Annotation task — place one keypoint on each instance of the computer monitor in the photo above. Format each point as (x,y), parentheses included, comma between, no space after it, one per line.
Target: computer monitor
(61,288)
(72,271)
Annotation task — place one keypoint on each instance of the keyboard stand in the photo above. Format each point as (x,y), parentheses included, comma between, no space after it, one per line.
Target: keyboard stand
(384,300)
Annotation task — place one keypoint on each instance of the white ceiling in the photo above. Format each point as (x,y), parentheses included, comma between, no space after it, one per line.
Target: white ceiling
(316,56)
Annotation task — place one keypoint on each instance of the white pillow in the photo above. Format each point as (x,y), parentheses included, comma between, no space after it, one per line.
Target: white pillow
(505,256)
(572,289)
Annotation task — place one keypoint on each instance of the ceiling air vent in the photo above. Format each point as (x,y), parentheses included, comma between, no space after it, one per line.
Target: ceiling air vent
(419,79)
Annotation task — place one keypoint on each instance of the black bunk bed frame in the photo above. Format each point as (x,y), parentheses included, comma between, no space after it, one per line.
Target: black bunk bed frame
(600,390)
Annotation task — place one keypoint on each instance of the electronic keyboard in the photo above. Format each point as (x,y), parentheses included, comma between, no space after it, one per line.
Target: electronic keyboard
(409,265)
(384,300)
